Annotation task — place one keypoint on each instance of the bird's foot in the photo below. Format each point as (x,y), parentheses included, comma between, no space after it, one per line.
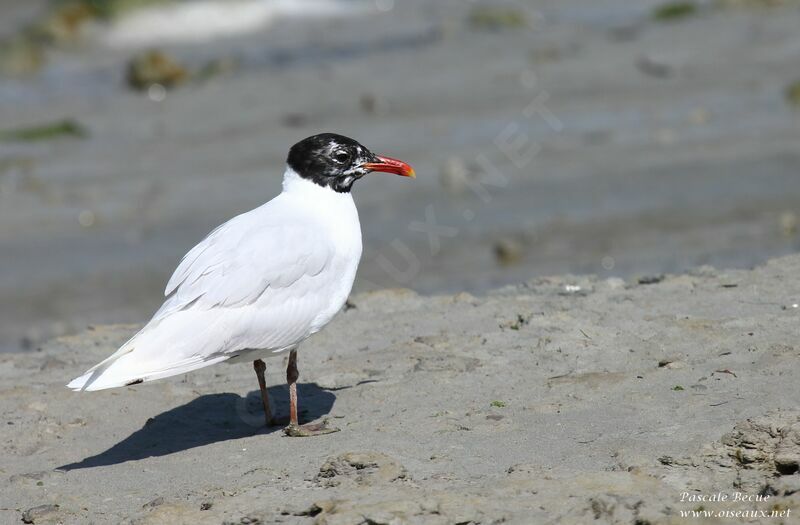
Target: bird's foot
(310,429)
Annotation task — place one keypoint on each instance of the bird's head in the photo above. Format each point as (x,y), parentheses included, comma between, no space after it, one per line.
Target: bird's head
(336,161)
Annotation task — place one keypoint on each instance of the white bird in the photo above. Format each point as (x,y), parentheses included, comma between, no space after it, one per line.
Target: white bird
(261,283)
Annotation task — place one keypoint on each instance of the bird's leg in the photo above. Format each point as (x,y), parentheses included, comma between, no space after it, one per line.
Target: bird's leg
(259,367)
(291,377)
(294,429)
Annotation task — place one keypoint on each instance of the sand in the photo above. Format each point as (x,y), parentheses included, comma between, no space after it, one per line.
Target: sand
(560,400)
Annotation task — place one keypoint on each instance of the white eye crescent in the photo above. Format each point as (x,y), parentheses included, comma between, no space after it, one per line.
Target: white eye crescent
(341,156)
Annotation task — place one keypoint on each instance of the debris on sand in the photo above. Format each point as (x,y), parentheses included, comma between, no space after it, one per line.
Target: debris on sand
(155,67)
(508,251)
(674,11)
(62,128)
(497,18)
(650,279)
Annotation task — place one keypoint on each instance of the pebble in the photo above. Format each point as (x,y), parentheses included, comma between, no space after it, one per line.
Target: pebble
(154,503)
(508,251)
(155,67)
(40,513)
(666,361)
(650,279)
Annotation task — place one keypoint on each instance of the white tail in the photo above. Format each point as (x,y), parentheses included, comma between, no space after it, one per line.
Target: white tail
(154,353)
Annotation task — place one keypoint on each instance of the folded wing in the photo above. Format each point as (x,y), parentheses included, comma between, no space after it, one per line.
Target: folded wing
(257,281)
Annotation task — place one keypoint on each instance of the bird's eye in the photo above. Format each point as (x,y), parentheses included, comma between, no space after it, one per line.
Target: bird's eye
(341,156)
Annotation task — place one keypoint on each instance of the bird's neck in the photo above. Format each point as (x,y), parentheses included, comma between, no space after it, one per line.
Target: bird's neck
(335,212)
(296,185)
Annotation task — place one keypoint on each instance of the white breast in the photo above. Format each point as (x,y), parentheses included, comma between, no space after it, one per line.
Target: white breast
(325,241)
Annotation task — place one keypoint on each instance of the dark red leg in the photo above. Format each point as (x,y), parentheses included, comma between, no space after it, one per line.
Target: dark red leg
(295,429)
(260,367)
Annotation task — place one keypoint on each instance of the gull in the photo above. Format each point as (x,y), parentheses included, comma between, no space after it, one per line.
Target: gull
(261,283)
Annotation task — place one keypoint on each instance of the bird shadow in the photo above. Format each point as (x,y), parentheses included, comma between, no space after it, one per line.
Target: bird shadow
(209,419)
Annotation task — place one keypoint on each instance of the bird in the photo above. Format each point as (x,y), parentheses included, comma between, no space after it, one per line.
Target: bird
(262,283)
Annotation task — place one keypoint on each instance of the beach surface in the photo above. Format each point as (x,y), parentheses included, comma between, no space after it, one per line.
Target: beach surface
(568,399)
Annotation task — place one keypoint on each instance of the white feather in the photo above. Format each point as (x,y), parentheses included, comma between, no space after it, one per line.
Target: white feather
(257,285)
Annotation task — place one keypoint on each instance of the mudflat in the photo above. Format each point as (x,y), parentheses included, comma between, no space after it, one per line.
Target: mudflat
(560,400)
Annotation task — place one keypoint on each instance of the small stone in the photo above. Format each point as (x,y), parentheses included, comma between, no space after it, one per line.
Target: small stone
(154,503)
(40,513)
(155,67)
(508,251)
(787,463)
(787,452)
(650,279)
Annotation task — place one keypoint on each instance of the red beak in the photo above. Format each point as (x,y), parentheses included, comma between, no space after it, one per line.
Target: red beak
(390,165)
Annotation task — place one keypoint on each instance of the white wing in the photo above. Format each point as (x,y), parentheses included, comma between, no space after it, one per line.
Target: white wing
(239,261)
(257,281)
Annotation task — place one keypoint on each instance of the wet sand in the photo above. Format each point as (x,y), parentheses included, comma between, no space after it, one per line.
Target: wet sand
(560,400)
